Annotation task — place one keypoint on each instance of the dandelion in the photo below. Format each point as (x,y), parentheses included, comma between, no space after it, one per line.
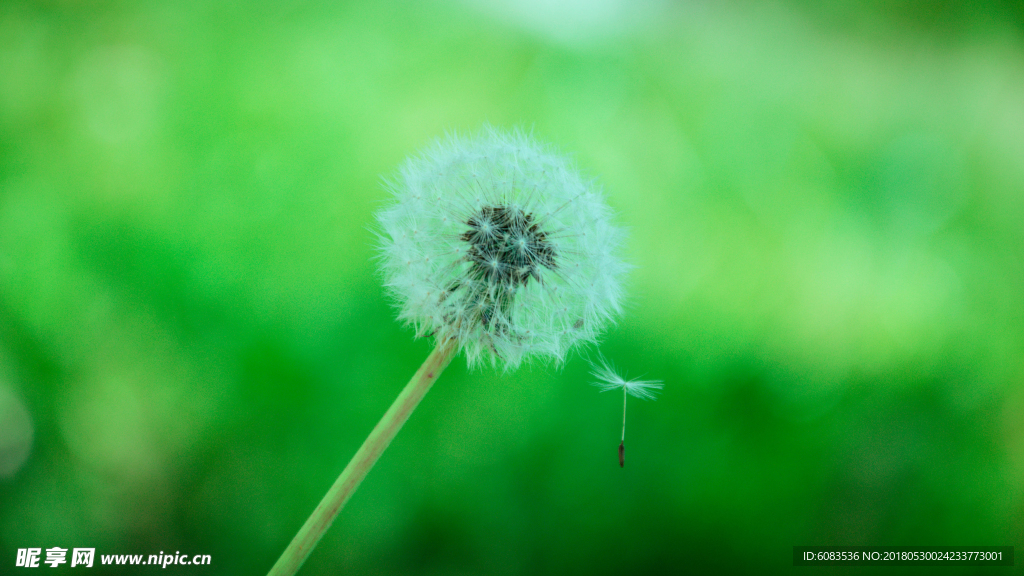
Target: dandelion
(609,379)
(497,243)
(496,246)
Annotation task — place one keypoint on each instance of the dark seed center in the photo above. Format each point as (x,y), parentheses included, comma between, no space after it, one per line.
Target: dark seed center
(507,248)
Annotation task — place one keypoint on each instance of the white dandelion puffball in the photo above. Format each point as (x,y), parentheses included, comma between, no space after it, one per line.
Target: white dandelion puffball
(498,243)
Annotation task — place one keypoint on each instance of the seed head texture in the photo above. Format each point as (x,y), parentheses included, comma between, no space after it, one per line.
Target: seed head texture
(497,242)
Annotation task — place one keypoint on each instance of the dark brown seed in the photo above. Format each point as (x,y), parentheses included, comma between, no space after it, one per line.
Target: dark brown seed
(506,248)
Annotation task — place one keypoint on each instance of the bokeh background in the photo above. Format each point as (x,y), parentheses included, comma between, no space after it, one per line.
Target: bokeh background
(826,214)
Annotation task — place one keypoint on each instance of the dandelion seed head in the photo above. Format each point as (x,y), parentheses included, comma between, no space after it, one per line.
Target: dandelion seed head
(512,253)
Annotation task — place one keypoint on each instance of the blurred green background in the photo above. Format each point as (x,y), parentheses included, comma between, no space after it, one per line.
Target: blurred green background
(826,215)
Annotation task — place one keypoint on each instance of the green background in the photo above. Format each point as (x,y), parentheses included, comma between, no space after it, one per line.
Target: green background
(825,209)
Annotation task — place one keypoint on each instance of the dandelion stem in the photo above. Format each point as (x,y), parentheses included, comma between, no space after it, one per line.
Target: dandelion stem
(324,514)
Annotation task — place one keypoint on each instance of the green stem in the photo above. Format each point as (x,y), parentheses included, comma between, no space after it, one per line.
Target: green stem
(318,523)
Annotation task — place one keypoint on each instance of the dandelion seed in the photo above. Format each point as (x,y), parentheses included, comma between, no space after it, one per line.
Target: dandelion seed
(609,379)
